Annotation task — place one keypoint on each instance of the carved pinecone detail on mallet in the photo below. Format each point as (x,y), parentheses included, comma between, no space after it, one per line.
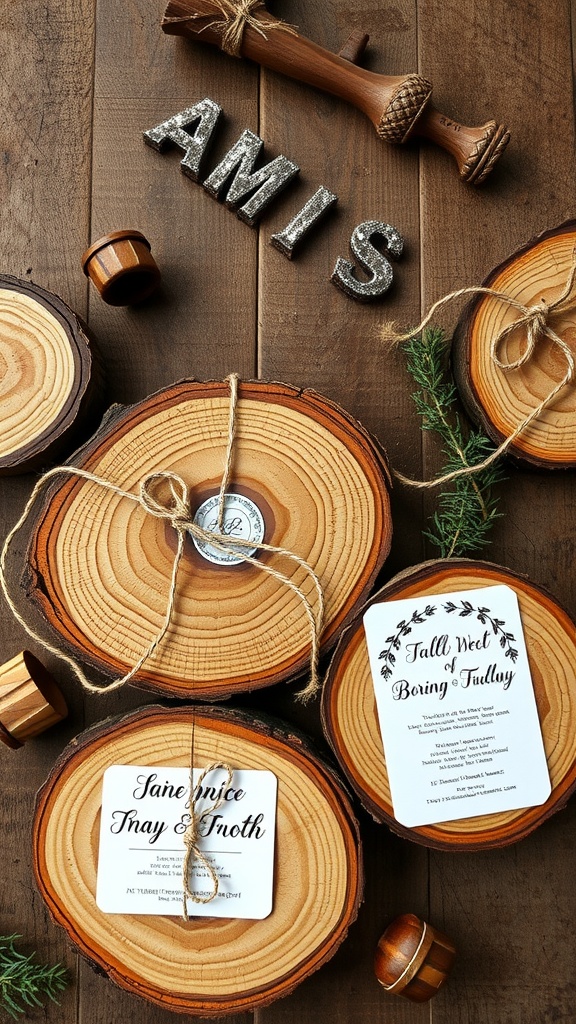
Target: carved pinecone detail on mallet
(404,109)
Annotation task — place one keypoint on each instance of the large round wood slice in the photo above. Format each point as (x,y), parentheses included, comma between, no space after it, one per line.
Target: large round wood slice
(100,566)
(500,400)
(207,966)
(351,722)
(47,380)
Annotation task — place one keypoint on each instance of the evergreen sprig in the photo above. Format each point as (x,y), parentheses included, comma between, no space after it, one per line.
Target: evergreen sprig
(466,512)
(24,983)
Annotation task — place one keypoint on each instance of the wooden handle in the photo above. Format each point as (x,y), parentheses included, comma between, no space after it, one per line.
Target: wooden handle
(398,106)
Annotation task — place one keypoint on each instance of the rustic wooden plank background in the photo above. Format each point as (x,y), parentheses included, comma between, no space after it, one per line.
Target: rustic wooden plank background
(79,82)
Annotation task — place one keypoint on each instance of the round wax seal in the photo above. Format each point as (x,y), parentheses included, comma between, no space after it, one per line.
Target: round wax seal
(242,520)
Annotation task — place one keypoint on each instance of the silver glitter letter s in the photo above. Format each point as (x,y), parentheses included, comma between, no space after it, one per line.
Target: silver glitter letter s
(269,180)
(370,259)
(174,130)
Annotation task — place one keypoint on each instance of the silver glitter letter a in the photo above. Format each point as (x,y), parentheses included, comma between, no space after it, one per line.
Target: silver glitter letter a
(174,130)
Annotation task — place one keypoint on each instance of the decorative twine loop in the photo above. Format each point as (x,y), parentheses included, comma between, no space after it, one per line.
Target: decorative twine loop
(235,16)
(192,833)
(536,321)
(179,515)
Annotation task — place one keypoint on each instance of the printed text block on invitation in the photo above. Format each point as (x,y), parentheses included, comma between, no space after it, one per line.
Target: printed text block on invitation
(456,705)
(141,853)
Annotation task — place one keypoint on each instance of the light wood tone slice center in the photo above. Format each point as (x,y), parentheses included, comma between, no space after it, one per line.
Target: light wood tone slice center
(36,369)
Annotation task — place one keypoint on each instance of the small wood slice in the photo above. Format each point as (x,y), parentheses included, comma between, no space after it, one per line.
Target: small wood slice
(500,400)
(207,966)
(351,722)
(48,385)
(100,566)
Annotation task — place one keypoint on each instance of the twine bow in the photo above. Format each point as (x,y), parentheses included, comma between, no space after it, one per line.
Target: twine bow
(235,16)
(191,837)
(535,319)
(178,514)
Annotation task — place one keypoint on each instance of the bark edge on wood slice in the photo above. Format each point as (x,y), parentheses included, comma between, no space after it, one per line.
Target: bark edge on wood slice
(190,967)
(99,566)
(350,718)
(50,376)
(499,401)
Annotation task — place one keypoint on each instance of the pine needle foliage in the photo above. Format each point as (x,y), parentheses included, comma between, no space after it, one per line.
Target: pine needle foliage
(24,983)
(465,512)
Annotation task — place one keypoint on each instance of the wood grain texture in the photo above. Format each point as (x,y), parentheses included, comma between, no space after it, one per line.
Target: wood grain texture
(51,377)
(350,716)
(100,567)
(204,966)
(538,272)
(231,303)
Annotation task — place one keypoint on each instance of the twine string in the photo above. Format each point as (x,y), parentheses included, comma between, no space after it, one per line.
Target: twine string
(232,18)
(535,319)
(192,835)
(178,514)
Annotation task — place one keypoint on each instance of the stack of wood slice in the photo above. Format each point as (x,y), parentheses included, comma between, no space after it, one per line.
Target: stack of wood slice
(99,566)
(207,966)
(536,274)
(351,722)
(49,385)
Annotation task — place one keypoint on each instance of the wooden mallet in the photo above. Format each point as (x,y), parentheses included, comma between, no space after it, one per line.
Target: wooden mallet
(398,106)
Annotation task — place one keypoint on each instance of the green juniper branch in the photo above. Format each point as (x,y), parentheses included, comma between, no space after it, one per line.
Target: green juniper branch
(465,513)
(24,983)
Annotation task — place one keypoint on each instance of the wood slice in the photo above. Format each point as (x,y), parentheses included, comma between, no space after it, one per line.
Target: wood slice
(48,383)
(208,966)
(500,400)
(100,566)
(351,723)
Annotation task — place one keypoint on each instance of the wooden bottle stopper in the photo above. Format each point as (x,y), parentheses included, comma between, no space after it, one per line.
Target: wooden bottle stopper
(30,701)
(122,267)
(413,959)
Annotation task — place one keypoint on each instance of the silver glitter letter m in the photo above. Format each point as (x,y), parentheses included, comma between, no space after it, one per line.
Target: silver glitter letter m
(269,180)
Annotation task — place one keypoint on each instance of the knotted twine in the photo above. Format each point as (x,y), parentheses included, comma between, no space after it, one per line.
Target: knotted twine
(178,514)
(535,320)
(236,15)
(192,834)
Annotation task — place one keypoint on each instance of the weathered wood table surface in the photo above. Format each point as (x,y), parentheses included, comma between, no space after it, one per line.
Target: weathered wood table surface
(80,81)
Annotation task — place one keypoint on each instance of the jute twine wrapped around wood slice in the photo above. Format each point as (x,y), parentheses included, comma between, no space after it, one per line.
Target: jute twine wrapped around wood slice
(210,966)
(533,276)
(351,722)
(49,382)
(99,567)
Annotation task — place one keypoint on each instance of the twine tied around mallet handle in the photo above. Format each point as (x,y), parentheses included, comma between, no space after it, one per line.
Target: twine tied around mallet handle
(192,833)
(179,515)
(536,321)
(232,17)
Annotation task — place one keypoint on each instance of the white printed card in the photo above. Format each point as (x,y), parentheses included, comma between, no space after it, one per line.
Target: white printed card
(456,705)
(144,817)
